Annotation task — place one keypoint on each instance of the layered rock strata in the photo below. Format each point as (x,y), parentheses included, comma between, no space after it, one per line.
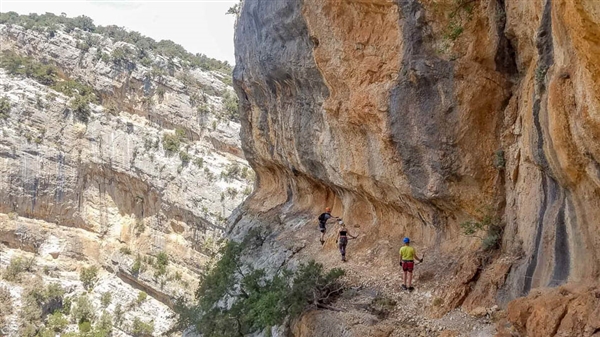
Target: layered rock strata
(109,192)
(411,118)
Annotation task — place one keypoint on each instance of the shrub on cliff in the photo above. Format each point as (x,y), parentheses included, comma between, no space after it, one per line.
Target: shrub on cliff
(89,277)
(140,328)
(230,102)
(51,22)
(5,107)
(258,301)
(83,310)
(37,302)
(28,67)
(171,142)
(489,229)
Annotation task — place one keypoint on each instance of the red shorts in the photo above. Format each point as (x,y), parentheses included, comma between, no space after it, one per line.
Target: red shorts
(408,266)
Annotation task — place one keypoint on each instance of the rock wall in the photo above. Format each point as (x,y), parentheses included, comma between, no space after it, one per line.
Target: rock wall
(108,192)
(409,117)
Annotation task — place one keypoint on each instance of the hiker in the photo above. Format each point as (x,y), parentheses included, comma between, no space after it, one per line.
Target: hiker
(323,218)
(342,239)
(408,256)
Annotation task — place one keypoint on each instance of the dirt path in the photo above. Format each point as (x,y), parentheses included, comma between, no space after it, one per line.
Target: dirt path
(375,297)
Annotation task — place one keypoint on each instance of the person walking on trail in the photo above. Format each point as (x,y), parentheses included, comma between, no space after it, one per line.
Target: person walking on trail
(342,239)
(408,256)
(323,218)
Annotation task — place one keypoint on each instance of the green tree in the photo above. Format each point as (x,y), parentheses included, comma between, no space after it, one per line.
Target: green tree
(137,265)
(80,105)
(162,261)
(83,310)
(488,229)
(89,277)
(258,301)
(142,296)
(230,102)
(57,322)
(140,328)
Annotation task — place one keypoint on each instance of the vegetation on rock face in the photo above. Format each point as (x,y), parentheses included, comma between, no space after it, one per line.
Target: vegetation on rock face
(256,301)
(140,328)
(28,67)
(38,302)
(89,277)
(51,23)
(142,296)
(16,266)
(230,102)
(5,107)
(82,95)
(490,224)
(171,142)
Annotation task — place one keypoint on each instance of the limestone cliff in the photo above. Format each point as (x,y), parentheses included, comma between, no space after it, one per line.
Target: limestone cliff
(155,169)
(410,117)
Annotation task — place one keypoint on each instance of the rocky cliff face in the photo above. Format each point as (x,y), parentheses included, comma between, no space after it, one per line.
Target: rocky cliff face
(155,170)
(412,117)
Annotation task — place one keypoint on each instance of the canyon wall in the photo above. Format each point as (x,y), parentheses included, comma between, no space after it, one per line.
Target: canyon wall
(156,169)
(412,117)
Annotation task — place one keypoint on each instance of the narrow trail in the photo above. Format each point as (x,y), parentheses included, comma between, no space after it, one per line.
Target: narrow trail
(374,296)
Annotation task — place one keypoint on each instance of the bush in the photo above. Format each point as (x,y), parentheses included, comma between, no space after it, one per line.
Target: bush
(454,31)
(258,301)
(105,299)
(230,103)
(499,160)
(125,250)
(137,265)
(141,329)
(118,314)
(142,296)
(232,171)
(16,266)
(203,109)
(83,310)
(74,88)
(57,322)
(39,301)
(232,192)
(490,224)
(6,305)
(104,326)
(161,92)
(5,107)
(171,142)
(185,158)
(89,277)
(80,105)
(28,67)
(199,162)
(120,56)
(162,261)
(85,327)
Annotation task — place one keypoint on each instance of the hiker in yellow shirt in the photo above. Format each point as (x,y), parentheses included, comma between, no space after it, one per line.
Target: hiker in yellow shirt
(408,256)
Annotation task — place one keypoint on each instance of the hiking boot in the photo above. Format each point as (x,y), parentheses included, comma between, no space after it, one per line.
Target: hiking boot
(404,287)
(411,288)
(343,259)
(322,242)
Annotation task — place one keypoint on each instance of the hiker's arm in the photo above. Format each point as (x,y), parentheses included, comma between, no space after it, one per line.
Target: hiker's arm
(353,236)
